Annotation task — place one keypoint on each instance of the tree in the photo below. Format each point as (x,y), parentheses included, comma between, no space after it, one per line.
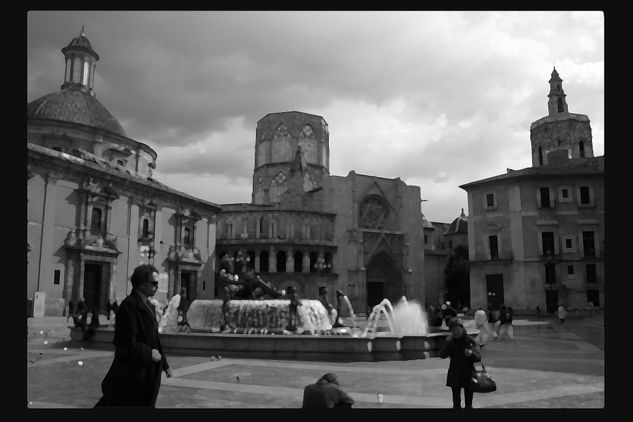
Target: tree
(457,277)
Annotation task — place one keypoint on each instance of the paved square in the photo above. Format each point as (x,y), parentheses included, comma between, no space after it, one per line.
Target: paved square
(546,365)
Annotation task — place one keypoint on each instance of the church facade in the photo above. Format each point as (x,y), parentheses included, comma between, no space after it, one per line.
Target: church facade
(94,211)
(536,235)
(305,228)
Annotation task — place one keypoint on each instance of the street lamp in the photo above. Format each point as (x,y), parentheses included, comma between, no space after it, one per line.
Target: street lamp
(321,266)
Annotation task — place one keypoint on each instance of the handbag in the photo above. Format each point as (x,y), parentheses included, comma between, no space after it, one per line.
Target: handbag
(481,381)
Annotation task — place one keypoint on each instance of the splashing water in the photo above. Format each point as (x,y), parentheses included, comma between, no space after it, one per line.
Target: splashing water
(169,320)
(385,308)
(405,319)
(351,310)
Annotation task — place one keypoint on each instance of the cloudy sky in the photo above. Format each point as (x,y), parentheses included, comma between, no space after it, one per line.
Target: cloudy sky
(438,99)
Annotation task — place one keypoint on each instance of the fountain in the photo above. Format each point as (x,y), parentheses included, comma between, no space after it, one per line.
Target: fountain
(406,319)
(260,331)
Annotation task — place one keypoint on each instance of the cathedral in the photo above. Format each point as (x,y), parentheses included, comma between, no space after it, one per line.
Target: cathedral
(360,234)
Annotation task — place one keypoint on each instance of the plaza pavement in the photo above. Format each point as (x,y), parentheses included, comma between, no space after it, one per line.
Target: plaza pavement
(546,365)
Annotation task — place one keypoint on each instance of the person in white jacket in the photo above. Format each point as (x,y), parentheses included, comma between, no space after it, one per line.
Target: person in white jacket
(485,331)
(562,313)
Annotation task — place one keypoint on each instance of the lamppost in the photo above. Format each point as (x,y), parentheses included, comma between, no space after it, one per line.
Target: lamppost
(149,252)
(321,266)
(242,261)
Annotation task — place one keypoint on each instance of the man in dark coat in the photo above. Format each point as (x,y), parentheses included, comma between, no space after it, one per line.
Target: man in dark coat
(325,394)
(463,351)
(135,375)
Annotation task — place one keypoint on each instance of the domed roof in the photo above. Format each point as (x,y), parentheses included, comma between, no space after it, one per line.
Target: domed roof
(73,106)
(459,225)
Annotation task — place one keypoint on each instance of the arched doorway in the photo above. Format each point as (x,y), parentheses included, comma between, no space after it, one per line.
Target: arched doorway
(383,280)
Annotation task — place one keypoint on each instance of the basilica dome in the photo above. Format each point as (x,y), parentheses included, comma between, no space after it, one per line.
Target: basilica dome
(73,105)
(459,225)
(76,101)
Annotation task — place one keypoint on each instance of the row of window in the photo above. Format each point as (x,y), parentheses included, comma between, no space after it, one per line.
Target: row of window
(591,275)
(548,244)
(581,147)
(304,231)
(546,198)
(98,227)
(241,262)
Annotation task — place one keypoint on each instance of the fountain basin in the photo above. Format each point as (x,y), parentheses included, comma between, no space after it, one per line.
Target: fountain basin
(273,315)
(341,348)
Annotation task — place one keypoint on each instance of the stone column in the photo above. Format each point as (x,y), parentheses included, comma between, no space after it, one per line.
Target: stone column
(83,214)
(158,237)
(174,283)
(112,291)
(272,260)
(70,277)
(82,268)
(257,266)
(257,226)
(134,257)
(306,262)
(290,261)
(47,248)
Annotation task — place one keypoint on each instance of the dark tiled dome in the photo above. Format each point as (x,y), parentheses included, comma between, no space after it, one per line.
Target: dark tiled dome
(73,106)
(459,225)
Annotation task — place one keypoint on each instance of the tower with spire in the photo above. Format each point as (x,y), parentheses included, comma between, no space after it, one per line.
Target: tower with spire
(560,136)
(81,61)
(556,103)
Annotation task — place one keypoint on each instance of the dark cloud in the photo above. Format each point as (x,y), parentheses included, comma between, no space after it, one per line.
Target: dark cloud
(179,80)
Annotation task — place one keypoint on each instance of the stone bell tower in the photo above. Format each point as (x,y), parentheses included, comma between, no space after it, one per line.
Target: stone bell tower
(285,143)
(560,130)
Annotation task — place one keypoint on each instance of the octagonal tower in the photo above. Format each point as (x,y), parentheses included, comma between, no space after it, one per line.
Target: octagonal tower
(284,140)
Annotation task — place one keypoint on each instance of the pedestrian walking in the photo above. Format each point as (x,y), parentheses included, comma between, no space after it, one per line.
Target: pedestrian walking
(485,331)
(135,374)
(326,394)
(463,353)
(448,311)
(293,310)
(562,313)
(71,309)
(505,319)
(182,309)
(91,328)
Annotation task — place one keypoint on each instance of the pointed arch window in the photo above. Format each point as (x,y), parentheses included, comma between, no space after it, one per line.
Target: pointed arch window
(373,213)
(581,148)
(278,186)
(561,107)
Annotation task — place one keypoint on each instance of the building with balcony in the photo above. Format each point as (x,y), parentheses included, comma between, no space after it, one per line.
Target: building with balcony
(536,235)
(306,228)
(94,211)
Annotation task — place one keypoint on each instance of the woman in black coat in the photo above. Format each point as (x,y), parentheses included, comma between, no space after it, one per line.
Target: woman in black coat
(463,351)
(135,375)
